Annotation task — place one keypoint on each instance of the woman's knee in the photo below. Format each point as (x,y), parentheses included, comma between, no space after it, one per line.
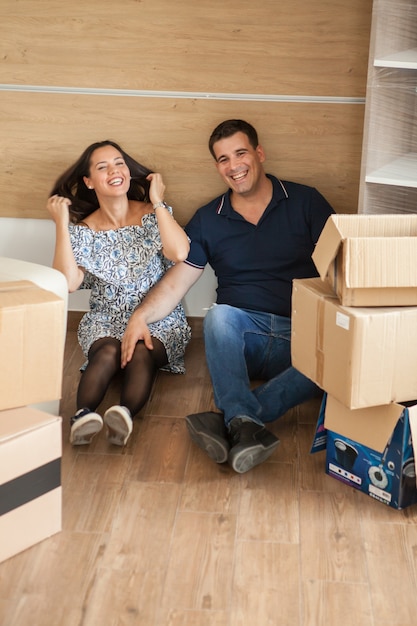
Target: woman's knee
(107,349)
(143,357)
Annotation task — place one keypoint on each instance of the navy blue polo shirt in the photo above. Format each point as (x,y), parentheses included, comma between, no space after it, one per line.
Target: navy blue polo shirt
(255,265)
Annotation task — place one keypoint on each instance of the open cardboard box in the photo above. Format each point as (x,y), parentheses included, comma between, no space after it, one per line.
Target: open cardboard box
(361,356)
(32,334)
(369,260)
(372,449)
(30,478)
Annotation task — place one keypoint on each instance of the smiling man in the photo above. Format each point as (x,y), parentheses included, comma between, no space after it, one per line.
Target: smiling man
(258,236)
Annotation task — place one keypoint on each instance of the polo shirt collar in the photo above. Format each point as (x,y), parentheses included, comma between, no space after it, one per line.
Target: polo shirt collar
(279,193)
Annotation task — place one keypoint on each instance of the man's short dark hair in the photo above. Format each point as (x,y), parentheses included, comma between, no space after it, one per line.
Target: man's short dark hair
(229,128)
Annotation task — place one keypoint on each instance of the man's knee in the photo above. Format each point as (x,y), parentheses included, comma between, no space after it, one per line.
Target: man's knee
(219,320)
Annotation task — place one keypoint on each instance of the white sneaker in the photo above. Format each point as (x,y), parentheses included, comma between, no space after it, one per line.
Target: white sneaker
(119,424)
(85,424)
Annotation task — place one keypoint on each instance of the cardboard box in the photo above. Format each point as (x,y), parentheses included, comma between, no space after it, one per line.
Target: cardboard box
(361,356)
(369,260)
(30,478)
(32,335)
(371,449)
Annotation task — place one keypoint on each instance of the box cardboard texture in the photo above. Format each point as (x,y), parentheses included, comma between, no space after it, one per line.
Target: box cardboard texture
(30,478)
(369,260)
(363,357)
(31,344)
(372,449)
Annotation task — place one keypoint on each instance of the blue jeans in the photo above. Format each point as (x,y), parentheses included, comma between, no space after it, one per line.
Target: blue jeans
(242,345)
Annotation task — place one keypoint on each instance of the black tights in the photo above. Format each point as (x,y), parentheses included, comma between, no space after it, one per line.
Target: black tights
(138,375)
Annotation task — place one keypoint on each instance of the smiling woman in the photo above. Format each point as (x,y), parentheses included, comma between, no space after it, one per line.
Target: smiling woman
(76,185)
(116,236)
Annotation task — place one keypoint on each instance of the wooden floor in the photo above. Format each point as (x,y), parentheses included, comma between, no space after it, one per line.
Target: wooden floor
(156,534)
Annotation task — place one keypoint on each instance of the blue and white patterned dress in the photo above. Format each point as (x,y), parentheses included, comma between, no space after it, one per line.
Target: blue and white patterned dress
(120,268)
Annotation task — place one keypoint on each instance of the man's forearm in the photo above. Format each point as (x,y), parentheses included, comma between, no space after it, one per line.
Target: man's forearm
(167,293)
(158,303)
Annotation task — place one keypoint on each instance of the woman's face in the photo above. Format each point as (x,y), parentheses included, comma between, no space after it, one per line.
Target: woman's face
(109,175)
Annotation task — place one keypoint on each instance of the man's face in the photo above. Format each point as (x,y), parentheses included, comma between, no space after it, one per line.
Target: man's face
(238,163)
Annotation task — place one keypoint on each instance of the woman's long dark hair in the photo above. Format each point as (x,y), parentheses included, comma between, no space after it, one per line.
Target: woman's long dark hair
(83,200)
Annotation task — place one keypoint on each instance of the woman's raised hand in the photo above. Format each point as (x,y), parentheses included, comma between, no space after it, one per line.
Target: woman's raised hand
(157,188)
(58,207)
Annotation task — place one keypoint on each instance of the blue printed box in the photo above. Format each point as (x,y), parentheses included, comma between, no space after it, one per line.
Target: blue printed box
(370,449)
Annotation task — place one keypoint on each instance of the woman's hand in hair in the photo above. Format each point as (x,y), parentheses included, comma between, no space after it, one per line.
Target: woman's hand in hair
(157,189)
(58,208)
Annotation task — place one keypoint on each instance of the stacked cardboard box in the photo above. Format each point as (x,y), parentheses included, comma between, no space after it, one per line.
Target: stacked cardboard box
(32,327)
(354,333)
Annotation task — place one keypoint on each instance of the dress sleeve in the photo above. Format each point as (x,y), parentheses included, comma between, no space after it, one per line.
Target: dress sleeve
(82,244)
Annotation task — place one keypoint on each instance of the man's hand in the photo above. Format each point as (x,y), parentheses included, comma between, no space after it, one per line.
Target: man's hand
(158,303)
(136,330)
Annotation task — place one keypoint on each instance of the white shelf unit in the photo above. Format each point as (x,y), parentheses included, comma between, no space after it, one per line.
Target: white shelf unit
(406,59)
(389,157)
(400,172)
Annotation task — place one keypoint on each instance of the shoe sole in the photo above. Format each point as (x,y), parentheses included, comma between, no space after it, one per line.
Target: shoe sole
(119,429)
(244,460)
(83,433)
(214,447)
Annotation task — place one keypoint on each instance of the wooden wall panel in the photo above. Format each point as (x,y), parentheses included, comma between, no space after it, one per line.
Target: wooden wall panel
(42,133)
(313,49)
(303,47)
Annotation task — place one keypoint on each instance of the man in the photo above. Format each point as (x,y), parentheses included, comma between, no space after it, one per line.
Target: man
(258,237)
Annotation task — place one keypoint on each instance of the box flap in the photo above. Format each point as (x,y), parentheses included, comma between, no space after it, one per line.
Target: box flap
(327,246)
(371,427)
(339,228)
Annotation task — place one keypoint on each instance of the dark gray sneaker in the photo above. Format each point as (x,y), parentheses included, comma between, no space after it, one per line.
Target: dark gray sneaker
(209,432)
(251,444)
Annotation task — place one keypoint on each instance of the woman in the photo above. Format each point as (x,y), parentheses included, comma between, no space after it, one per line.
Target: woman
(116,236)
